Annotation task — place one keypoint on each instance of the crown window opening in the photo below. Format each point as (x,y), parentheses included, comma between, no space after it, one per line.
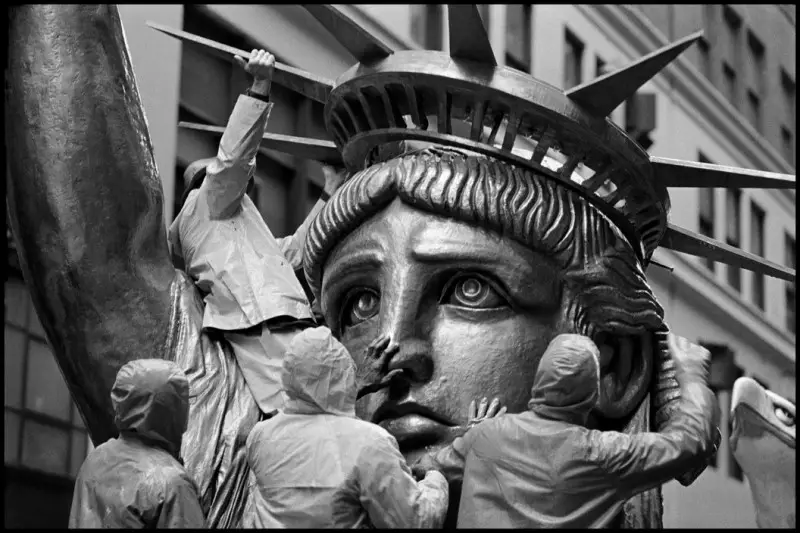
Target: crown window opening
(606,189)
(354,107)
(344,122)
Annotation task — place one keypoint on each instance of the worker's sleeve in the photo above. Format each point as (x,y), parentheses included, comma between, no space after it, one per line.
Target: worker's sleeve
(228,174)
(181,508)
(391,495)
(292,246)
(642,461)
(451,459)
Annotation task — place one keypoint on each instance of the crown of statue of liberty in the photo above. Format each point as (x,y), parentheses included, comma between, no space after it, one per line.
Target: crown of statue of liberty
(466,101)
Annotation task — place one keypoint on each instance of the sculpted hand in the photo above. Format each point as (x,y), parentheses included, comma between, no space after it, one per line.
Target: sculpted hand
(484,411)
(370,376)
(334,178)
(261,65)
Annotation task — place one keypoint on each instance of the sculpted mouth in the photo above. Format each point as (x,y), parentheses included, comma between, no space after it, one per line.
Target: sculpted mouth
(413,425)
(391,410)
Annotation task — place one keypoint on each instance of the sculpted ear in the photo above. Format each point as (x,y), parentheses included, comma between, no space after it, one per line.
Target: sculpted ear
(626,370)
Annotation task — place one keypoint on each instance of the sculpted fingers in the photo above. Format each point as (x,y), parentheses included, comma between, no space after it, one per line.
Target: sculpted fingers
(482,407)
(494,407)
(472,412)
(377,346)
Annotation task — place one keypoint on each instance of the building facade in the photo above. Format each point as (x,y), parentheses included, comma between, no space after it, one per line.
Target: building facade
(728,101)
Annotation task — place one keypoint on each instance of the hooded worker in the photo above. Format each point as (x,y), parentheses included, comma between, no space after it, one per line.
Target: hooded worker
(315,464)
(137,480)
(544,469)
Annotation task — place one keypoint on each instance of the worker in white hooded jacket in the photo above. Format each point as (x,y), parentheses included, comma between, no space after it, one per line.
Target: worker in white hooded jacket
(315,464)
(219,238)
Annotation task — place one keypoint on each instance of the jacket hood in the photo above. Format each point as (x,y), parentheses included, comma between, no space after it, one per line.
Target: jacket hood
(151,399)
(319,376)
(567,382)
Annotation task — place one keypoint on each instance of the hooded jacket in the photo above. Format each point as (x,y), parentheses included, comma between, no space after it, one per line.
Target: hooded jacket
(220,240)
(137,480)
(316,465)
(544,469)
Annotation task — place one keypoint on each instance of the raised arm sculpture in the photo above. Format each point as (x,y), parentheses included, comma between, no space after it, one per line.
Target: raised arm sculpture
(486,213)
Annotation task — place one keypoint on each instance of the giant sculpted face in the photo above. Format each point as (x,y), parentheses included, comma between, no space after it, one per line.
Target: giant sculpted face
(472,266)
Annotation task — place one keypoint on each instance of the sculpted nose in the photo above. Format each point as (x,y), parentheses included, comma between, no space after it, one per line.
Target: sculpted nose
(404,322)
(414,358)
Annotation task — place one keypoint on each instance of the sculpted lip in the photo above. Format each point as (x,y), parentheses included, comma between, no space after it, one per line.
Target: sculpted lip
(411,423)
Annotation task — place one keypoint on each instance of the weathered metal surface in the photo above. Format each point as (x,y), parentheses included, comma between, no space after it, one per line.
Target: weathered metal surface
(678,173)
(364,46)
(689,242)
(309,85)
(603,95)
(468,37)
(316,149)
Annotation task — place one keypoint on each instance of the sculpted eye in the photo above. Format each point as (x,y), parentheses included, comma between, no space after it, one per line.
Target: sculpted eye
(785,416)
(472,291)
(360,305)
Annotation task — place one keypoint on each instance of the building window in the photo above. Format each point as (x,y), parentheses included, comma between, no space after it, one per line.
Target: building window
(731,40)
(732,31)
(707,212)
(599,66)
(788,128)
(729,82)
(43,429)
(757,63)
(573,60)
(704,50)
(427,25)
(789,92)
(791,260)
(754,110)
(733,233)
(518,36)
(704,44)
(787,143)
(757,216)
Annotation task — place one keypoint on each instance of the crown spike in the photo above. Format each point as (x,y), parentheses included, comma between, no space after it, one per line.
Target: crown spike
(316,149)
(604,94)
(364,46)
(309,85)
(677,173)
(468,37)
(688,242)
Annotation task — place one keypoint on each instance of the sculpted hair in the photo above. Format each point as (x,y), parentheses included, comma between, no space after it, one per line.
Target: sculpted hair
(605,288)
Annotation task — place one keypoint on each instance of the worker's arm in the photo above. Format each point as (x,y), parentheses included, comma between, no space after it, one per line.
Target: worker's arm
(451,459)
(391,495)
(292,246)
(228,174)
(642,461)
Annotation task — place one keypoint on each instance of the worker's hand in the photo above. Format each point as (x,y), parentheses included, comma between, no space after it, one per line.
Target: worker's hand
(261,65)
(689,357)
(334,178)
(478,412)
(424,465)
